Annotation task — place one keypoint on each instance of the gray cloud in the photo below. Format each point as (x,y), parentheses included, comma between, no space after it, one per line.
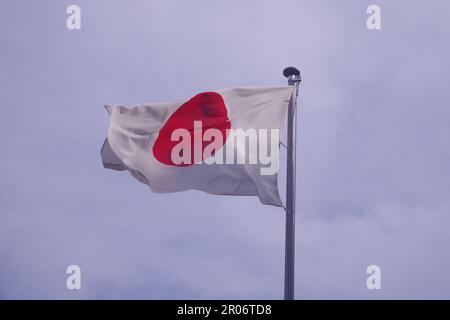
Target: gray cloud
(373,159)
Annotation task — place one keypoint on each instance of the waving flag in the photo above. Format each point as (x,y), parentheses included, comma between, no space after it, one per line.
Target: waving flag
(223,142)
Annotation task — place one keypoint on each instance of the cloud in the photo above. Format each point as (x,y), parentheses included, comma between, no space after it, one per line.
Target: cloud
(372,154)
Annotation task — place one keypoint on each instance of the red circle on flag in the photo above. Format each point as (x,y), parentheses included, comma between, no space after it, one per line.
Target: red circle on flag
(207,107)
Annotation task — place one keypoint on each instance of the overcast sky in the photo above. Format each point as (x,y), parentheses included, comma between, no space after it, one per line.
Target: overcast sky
(373,157)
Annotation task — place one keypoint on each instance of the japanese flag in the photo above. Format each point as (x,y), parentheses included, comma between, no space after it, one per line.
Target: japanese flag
(223,142)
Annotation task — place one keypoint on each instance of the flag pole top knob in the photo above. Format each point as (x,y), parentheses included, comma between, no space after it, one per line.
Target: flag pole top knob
(293,75)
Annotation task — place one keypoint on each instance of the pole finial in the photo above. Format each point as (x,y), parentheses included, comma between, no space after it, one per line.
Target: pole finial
(293,75)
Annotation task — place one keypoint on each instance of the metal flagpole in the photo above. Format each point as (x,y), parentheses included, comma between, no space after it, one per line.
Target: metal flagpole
(294,79)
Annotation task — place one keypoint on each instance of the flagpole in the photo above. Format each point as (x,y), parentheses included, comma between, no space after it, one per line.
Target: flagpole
(294,79)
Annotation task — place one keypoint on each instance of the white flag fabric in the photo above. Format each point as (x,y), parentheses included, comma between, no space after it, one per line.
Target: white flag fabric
(221,157)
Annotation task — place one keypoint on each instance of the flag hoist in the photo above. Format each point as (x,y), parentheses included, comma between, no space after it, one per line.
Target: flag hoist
(223,142)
